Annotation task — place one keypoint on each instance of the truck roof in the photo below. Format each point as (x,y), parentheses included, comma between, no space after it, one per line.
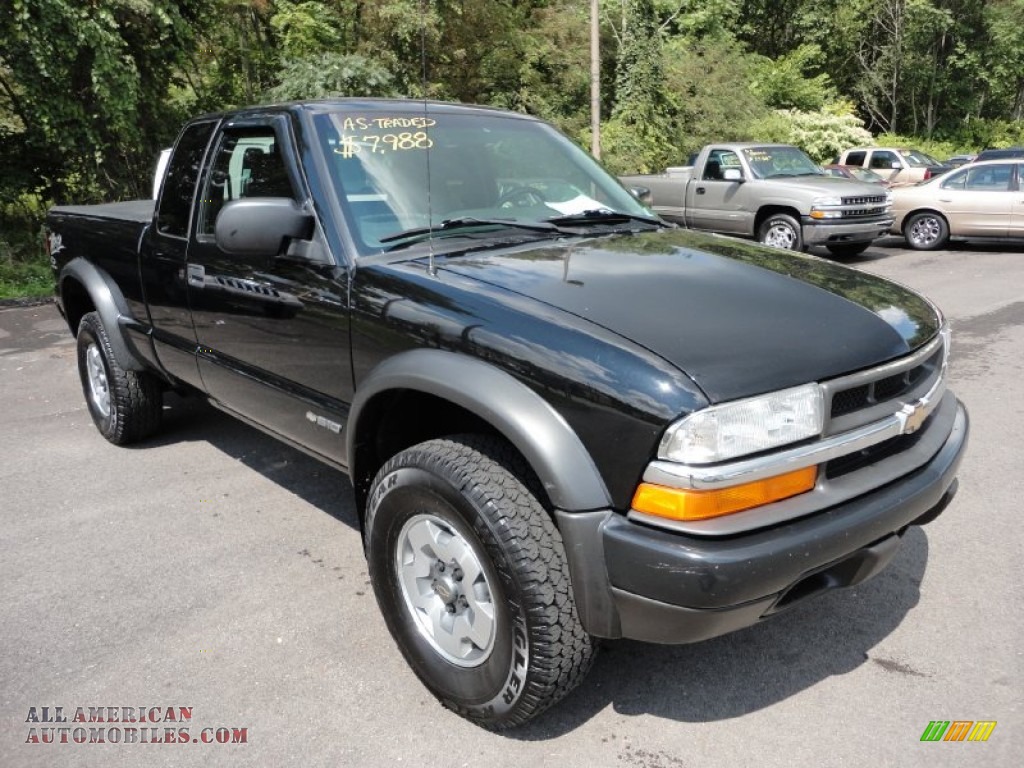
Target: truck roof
(364,104)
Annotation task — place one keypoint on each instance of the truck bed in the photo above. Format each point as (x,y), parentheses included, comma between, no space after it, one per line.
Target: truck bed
(139,211)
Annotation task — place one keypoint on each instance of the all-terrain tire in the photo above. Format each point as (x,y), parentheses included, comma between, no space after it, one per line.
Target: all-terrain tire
(471,577)
(125,405)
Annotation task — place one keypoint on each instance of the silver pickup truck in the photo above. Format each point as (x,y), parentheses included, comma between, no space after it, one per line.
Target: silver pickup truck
(774,193)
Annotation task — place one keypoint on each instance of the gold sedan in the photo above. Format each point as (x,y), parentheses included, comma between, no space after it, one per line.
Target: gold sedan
(975,201)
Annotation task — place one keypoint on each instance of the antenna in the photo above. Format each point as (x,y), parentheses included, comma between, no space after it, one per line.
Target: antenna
(431,270)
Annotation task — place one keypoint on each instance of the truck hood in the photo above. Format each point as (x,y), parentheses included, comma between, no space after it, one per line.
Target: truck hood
(825,185)
(738,318)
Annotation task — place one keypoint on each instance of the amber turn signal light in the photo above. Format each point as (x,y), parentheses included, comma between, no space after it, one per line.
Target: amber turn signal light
(687,504)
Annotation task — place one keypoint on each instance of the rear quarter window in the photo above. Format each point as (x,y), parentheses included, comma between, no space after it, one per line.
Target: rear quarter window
(179,188)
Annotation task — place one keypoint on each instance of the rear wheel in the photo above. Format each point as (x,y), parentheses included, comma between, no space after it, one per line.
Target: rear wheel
(780,230)
(926,231)
(124,405)
(847,249)
(471,578)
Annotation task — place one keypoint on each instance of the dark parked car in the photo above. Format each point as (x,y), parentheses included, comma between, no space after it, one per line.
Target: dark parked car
(1007,153)
(957,160)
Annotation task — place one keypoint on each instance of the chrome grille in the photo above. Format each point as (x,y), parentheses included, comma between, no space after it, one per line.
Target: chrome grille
(873,394)
(869,200)
(887,388)
(861,212)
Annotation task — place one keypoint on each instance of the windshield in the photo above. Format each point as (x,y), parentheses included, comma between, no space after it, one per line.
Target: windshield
(398,174)
(866,174)
(773,162)
(918,159)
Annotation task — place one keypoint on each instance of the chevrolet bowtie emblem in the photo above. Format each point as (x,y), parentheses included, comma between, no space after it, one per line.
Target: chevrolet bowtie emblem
(913,416)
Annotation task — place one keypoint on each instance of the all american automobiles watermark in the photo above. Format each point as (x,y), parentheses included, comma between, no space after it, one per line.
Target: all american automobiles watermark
(124,725)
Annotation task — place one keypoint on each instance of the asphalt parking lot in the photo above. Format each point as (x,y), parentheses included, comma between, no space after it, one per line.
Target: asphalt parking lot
(214,569)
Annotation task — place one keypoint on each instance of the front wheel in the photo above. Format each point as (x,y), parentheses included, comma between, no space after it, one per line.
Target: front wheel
(471,577)
(926,231)
(780,230)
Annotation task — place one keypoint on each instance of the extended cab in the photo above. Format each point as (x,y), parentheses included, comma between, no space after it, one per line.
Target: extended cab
(772,192)
(564,419)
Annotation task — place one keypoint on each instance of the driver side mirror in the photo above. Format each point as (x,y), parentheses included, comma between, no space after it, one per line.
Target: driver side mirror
(732,174)
(643,194)
(259,226)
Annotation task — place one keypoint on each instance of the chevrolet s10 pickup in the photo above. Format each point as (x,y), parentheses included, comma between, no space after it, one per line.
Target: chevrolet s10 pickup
(564,419)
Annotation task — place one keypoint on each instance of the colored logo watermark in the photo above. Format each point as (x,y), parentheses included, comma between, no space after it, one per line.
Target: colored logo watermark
(958,730)
(125,725)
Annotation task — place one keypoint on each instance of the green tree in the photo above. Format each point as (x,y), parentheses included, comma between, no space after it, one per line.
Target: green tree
(85,116)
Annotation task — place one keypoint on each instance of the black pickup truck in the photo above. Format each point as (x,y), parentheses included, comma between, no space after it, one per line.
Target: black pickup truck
(564,419)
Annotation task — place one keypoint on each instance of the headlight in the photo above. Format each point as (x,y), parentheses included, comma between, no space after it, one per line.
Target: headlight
(734,429)
(827,201)
(827,208)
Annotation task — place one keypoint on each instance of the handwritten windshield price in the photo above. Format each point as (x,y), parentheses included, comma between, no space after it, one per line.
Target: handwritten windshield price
(379,144)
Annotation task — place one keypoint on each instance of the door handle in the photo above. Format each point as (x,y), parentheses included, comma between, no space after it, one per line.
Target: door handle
(196,275)
(700,190)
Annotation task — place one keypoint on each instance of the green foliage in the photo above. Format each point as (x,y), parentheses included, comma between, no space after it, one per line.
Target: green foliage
(627,149)
(305,29)
(822,134)
(331,74)
(710,94)
(21,279)
(939,149)
(787,82)
(86,90)
(24,267)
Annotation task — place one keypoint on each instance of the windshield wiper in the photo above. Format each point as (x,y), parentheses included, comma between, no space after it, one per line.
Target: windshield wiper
(466,222)
(603,216)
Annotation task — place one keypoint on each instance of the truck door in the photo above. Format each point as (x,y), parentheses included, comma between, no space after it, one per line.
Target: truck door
(887,165)
(713,203)
(273,331)
(163,254)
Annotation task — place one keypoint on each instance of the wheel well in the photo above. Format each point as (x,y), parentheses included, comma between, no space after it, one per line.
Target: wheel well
(397,419)
(77,302)
(771,210)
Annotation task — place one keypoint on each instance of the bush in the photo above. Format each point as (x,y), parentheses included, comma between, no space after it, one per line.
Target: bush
(822,134)
(24,265)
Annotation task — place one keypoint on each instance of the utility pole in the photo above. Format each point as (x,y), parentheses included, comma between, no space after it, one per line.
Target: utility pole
(595,80)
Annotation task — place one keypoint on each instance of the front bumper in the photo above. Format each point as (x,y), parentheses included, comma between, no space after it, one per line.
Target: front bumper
(823,232)
(667,587)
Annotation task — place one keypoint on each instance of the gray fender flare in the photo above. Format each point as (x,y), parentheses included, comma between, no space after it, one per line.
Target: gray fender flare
(523,417)
(110,306)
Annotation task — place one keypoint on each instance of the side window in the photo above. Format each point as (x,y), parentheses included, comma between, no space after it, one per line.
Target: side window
(855,158)
(245,164)
(989,178)
(883,160)
(718,161)
(180,182)
(956,181)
